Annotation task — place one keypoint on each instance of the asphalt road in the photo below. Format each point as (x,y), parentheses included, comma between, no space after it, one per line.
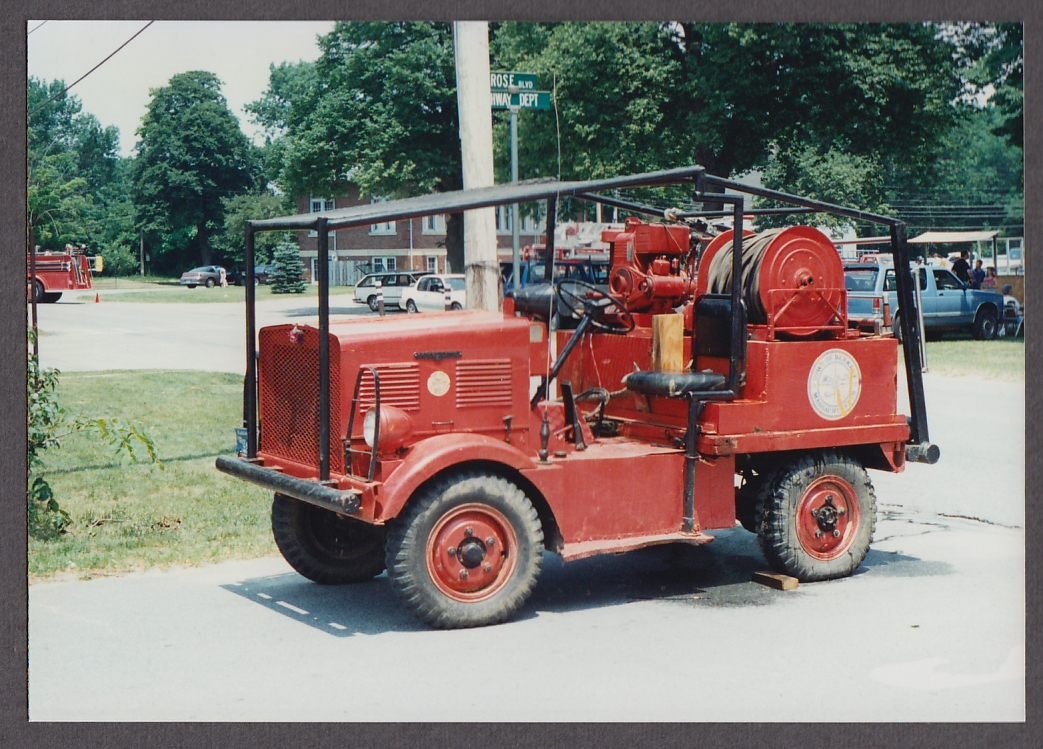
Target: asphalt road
(930,628)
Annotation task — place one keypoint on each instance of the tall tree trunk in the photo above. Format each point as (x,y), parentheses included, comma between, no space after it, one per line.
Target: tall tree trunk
(454,242)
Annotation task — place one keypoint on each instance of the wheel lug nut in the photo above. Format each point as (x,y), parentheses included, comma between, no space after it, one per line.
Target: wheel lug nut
(490,541)
(463,574)
(487,567)
(468,531)
(818,534)
(452,551)
(836,533)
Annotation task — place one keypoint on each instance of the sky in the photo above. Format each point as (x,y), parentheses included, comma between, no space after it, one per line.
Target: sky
(117,93)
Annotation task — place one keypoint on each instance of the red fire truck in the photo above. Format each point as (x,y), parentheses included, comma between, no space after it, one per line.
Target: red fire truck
(58,272)
(708,385)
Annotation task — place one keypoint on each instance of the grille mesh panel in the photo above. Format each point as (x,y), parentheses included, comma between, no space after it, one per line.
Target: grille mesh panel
(485,382)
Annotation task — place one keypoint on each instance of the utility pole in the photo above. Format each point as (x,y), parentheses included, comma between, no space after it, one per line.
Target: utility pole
(515,264)
(481,267)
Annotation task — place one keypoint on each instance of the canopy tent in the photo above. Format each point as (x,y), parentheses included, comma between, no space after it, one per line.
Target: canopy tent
(942,237)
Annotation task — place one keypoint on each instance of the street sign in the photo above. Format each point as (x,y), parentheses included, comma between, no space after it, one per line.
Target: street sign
(501,81)
(523,99)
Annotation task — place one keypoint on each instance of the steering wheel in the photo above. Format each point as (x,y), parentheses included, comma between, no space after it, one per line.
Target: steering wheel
(593,305)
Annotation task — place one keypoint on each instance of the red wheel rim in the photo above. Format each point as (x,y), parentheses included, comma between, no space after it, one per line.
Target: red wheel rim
(828,518)
(472,552)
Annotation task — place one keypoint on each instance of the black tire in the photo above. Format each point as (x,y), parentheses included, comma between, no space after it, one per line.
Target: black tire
(38,292)
(372,303)
(210,283)
(51,297)
(456,306)
(466,551)
(985,325)
(324,546)
(190,285)
(817,517)
(411,307)
(896,328)
(748,498)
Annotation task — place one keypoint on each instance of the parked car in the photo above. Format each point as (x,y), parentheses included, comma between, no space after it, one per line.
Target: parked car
(392,284)
(594,272)
(428,293)
(263,273)
(207,275)
(948,304)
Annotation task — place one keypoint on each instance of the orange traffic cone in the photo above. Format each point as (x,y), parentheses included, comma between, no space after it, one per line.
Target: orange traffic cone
(97,298)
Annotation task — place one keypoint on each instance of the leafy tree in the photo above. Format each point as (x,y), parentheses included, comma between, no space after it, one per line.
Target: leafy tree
(641,96)
(191,155)
(230,243)
(288,273)
(378,108)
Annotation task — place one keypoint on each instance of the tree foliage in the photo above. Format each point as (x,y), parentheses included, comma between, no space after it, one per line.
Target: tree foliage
(73,175)
(636,96)
(378,109)
(192,154)
(288,274)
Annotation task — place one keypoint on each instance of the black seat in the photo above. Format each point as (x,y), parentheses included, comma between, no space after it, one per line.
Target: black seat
(674,384)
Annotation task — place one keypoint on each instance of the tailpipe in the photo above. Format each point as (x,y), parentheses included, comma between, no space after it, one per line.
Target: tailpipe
(923,453)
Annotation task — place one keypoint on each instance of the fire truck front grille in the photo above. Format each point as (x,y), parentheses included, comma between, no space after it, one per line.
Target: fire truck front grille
(483,383)
(399,387)
(289,396)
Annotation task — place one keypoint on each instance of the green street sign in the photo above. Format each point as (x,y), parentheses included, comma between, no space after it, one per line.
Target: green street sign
(501,81)
(523,100)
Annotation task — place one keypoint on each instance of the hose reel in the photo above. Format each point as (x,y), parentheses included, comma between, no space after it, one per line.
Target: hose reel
(792,278)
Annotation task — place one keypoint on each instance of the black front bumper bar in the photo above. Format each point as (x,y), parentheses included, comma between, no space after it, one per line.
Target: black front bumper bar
(312,492)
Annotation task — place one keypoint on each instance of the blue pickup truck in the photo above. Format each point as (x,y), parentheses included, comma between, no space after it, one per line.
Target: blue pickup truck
(948,304)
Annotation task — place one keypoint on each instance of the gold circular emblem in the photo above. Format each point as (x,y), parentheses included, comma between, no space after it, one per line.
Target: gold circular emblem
(834,384)
(438,383)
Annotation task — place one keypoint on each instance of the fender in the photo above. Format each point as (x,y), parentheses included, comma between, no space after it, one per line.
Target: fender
(437,453)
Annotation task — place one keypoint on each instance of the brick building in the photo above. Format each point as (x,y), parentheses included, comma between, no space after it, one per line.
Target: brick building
(416,244)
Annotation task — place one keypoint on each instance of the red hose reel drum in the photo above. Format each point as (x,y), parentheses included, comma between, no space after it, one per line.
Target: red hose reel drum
(794,275)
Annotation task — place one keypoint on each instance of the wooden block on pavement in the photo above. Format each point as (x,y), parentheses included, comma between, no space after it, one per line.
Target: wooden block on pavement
(775,580)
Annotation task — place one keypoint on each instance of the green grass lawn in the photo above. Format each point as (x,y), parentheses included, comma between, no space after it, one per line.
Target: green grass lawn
(128,516)
(201,295)
(1002,358)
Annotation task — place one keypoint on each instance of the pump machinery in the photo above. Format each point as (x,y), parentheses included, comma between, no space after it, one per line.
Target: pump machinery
(706,386)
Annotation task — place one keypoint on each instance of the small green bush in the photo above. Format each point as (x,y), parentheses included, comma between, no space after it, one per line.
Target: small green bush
(288,274)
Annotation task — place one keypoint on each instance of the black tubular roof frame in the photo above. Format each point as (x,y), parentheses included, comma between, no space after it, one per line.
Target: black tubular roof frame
(708,189)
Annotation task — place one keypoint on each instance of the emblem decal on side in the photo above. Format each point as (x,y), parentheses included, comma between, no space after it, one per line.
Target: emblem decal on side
(438,383)
(834,384)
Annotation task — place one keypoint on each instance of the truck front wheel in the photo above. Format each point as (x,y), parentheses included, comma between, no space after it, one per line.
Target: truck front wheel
(466,551)
(324,546)
(985,325)
(818,518)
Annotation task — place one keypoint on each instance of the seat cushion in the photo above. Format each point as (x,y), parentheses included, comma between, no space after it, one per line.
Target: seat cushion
(674,384)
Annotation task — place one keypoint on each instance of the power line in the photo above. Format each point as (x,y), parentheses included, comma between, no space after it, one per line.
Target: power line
(60,93)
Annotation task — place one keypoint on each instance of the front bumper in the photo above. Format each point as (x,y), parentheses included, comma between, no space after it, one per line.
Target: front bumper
(346,501)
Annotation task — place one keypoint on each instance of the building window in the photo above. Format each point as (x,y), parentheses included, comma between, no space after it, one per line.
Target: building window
(503,218)
(317,205)
(433,224)
(387,227)
(432,264)
(383,264)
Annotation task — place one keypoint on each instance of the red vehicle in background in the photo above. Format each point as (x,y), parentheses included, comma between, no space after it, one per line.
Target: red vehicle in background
(58,272)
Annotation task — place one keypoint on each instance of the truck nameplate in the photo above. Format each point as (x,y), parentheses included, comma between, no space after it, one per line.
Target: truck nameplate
(438,355)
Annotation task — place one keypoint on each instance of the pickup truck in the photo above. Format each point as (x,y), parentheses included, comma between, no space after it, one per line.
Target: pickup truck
(948,304)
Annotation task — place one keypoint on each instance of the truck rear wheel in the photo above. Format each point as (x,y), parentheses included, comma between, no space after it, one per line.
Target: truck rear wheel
(326,547)
(466,551)
(818,517)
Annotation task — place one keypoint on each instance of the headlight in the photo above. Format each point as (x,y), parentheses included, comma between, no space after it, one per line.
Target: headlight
(395,428)
(369,426)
